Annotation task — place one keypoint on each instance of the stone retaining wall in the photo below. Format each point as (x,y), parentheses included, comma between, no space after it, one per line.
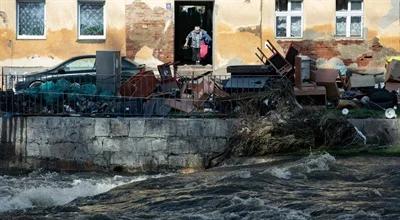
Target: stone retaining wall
(379,131)
(136,144)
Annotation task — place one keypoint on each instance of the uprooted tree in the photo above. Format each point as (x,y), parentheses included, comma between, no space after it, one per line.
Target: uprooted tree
(282,125)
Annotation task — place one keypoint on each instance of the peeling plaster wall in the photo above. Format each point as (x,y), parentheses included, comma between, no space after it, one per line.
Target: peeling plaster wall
(150,31)
(61,40)
(381,34)
(144,29)
(237,32)
(242,25)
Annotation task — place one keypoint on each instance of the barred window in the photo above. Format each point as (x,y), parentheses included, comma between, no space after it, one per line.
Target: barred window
(91,20)
(289,18)
(349,18)
(30,19)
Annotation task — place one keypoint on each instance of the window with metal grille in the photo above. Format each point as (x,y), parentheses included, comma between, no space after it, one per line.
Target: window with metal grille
(91,20)
(289,18)
(30,19)
(349,18)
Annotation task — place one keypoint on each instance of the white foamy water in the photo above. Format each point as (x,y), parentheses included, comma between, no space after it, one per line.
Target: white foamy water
(307,165)
(53,189)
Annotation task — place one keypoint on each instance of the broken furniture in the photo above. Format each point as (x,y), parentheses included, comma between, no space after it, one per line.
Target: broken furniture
(303,66)
(311,95)
(327,78)
(291,55)
(108,71)
(183,105)
(140,85)
(241,84)
(392,76)
(169,79)
(276,60)
(251,70)
(306,91)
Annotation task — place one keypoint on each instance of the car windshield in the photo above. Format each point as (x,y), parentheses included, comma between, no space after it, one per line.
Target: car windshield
(128,65)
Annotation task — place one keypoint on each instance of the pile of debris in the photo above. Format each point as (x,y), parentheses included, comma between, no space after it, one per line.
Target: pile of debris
(347,89)
(295,131)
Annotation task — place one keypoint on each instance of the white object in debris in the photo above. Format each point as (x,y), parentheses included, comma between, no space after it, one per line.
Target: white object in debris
(361,135)
(365,100)
(345,111)
(390,113)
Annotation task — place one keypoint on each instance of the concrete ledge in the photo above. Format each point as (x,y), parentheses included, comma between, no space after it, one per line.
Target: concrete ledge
(138,144)
(379,131)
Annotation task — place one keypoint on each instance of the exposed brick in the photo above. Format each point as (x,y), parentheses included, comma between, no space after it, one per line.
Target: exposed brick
(145,27)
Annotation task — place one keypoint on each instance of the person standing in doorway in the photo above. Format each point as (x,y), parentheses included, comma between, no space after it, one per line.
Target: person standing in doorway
(199,38)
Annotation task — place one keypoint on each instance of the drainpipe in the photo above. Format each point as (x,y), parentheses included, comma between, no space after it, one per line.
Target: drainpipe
(261,22)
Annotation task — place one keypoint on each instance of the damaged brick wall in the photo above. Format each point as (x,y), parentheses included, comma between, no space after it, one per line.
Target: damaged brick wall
(150,28)
(357,53)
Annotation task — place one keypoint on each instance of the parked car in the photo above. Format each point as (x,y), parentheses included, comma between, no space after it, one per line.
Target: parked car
(81,69)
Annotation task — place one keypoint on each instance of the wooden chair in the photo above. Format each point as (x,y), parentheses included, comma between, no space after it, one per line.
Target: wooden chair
(277,61)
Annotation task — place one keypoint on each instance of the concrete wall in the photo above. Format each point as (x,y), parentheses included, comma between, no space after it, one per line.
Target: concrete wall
(89,143)
(379,131)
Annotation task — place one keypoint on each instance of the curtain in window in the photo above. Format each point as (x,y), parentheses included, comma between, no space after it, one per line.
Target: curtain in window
(91,19)
(295,27)
(341,26)
(31,18)
(281,26)
(355,26)
(296,5)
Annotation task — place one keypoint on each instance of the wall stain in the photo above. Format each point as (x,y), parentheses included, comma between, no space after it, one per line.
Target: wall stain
(392,15)
(62,44)
(235,45)
(3,17)
(256,30)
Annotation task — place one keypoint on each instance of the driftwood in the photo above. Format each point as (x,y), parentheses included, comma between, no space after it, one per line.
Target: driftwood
(285,128)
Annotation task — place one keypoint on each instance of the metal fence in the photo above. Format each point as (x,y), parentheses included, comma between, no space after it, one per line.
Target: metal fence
(143,95)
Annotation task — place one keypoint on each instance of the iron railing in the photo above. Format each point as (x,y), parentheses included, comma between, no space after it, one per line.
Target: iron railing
(146,95)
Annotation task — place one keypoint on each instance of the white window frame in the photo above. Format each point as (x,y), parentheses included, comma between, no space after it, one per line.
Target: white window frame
(289,14)
(32,37)
(92,37)
(348,14)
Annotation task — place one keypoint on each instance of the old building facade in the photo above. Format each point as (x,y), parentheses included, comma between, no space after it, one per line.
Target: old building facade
(361,33)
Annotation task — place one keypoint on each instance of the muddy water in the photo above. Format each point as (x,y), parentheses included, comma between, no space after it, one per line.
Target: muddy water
(314,187)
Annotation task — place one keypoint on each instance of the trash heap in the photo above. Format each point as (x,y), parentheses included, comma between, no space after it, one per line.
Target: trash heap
(247,88)
(289,128)
(145,94)
(349,90)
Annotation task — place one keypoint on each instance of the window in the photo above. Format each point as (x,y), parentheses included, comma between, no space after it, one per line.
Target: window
(289,18)
(30,19)
(91,20)
(349,18)
(80,64)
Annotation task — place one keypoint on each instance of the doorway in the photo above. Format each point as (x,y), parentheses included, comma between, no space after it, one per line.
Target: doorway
(189,14)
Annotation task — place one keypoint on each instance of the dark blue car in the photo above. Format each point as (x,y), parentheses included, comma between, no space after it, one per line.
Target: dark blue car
(81,69)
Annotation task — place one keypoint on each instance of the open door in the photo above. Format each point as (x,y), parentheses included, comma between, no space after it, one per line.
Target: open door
(189,14)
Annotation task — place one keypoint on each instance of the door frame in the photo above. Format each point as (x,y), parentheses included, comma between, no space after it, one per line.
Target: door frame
(194,2)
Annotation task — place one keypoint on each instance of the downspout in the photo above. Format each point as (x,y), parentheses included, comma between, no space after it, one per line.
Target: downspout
(261,23)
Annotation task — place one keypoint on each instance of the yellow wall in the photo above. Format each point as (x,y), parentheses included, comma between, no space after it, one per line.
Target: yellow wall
(240,26)
(61,36)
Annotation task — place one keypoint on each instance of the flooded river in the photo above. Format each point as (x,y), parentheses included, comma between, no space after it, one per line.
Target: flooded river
(313,187)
